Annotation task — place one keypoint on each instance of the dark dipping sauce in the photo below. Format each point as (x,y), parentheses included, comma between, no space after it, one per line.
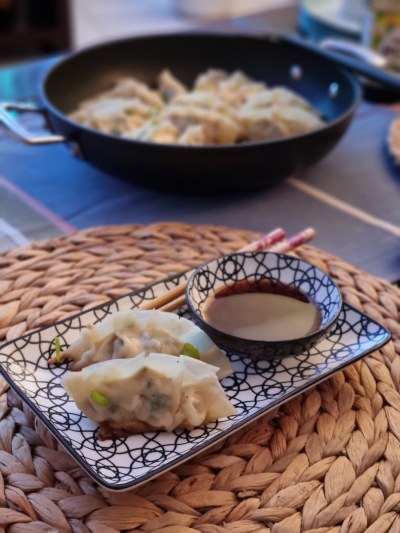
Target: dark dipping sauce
(262,310)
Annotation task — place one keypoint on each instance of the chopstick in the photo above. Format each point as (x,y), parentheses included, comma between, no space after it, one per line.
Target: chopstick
(294,242)
(263,242)
(274,241)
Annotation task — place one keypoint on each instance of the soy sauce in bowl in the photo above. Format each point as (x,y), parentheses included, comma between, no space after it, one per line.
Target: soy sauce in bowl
(263,305)
(262,310)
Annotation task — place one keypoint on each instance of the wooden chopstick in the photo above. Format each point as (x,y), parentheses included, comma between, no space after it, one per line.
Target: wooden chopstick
(265,241)
(297,240)
(274,241)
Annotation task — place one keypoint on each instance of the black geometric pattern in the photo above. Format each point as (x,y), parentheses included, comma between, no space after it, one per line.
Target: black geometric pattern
(254,389)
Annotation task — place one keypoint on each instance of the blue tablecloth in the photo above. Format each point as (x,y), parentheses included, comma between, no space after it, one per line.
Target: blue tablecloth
(358,171)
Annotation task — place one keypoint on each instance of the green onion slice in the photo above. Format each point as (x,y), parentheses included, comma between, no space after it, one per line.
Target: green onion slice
(57,345)
(165,95)
(190,350)
(99,398)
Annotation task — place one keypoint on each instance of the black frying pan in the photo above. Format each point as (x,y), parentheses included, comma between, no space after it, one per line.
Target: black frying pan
(275,60)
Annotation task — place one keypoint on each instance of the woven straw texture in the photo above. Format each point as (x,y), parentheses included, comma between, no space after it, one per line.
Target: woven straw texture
(327,461)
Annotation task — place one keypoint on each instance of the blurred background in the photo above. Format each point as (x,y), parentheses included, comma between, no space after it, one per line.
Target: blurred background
(31,28)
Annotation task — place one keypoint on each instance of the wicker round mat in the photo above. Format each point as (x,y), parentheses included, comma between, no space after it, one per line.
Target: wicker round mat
(327,461)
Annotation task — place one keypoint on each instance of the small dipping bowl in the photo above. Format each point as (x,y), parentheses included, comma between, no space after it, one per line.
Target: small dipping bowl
(275,274)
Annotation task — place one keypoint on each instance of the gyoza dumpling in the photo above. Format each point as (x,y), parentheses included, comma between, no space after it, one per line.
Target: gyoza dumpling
(126,334)
(276,122)
(204,100)
(209,80)
(155,130)
(153,392)
(278,96)
(218,128)
(170,86)
(112,115)
(296,120)
(259,125)
(133,88)
(193,136)
(238,88)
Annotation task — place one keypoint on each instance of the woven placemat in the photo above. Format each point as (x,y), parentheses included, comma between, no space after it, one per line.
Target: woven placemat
(327,461)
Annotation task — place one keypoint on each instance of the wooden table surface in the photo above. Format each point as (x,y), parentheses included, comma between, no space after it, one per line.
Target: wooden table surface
(351,197)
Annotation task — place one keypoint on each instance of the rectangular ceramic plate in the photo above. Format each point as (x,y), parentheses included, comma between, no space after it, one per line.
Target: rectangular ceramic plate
(254,389)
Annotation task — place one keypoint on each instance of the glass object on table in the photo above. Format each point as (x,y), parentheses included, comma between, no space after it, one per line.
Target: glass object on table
(319,19)
(223,9)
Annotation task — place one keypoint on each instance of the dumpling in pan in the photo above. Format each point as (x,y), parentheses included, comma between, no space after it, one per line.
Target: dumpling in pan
(276,122)
(126,334)
(155,130)
(169,86)
(296,120)
(154,392)
(193,136)
(210,79)
(218,128)
(133,88)
(278,96)
(112,115)
(204,100)
(259,125)
(238,88)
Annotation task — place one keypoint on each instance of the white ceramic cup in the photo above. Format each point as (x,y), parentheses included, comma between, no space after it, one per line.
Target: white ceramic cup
(216,9)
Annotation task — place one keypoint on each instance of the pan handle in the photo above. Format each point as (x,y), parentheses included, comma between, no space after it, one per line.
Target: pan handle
(15,127)
(386,78)
(358,51)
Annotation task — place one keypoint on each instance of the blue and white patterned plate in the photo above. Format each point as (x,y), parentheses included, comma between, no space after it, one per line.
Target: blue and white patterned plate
(254,389)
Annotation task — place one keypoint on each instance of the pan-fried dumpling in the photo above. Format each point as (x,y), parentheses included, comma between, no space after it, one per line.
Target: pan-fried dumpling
(159,392)
(133,88)
(126,334)
(295,120)
(218,128)
(210,80)
(155,130)
(276,122)
(277,96)
(170,86)
(199,108)
(113,115)
(193,136)
(204,100)
(238,88)
(221,108)
(259,125)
